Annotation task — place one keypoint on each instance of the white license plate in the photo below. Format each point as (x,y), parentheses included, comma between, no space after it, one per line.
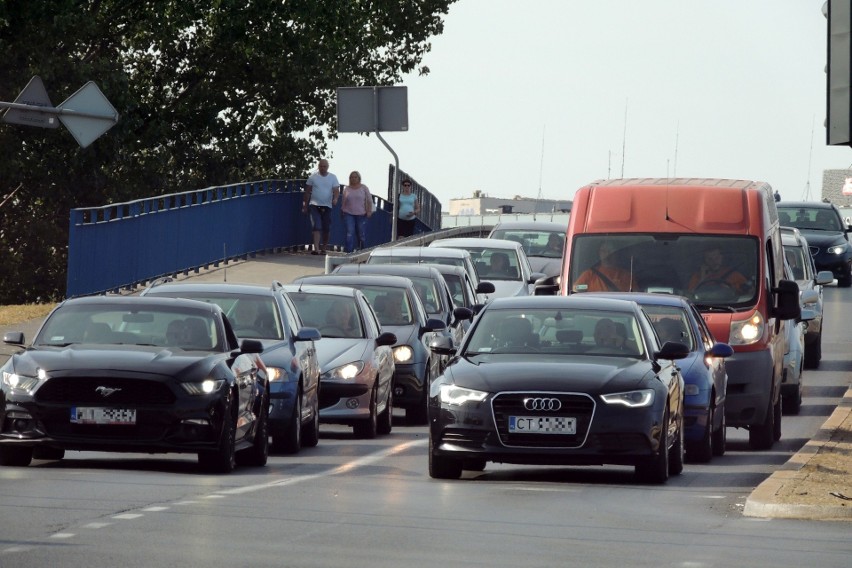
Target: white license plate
(101,415)
(542,425)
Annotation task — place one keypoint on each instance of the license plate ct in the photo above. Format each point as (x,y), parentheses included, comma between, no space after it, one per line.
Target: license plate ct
(101,415)
(542,425)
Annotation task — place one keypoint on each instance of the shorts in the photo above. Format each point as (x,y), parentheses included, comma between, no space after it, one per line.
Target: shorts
(320,218)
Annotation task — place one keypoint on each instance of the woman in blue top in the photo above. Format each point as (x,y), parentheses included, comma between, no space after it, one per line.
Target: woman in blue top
(409,208)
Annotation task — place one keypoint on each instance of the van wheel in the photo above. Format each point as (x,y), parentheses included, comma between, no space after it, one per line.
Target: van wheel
(761,436)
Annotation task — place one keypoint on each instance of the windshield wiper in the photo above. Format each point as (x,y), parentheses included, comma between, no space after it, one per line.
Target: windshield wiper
(714,308)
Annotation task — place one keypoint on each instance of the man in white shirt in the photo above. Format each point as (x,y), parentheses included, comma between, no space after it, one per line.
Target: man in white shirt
(322,191)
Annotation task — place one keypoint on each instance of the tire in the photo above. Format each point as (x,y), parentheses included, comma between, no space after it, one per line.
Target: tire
(655,469)
(366,429)
(16,456)
(701,451)
(720,436)
(419,415)
(258,454)
(310,431)
(793,404)
(760,436)
(224,458)
(291,441)
(48,453)
(441,467)
(813,353)
(777,411)
(385,425)
(676,454)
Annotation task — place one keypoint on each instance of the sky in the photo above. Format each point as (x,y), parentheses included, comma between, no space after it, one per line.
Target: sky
(540,97)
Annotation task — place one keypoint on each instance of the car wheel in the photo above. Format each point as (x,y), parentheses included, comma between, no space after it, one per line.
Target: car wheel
(813,353)
(655,469)
(291,441)
(720,436)
(310,431)
(776,429)
(676,453)
(760,436)
(258,454)
(223,459)
(48,453)
(441,467)
(16,456)
(418,415)
(366,429)
(701,451)
(386,417)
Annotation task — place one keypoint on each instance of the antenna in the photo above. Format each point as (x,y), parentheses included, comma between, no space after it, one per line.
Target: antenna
(677,137)
(807,194)
(540,172)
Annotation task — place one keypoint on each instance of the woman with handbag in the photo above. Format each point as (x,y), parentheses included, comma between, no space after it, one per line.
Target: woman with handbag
(356,209)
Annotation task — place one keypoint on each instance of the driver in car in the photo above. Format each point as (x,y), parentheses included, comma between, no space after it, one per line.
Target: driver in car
(713,271)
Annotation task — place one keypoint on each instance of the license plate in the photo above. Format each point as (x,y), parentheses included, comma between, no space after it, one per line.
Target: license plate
(101,415)
(542,425)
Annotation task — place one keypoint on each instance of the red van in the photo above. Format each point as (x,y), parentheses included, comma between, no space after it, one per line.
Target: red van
(715,241)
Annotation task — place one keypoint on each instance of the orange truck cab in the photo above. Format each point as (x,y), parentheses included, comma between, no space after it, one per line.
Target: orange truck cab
(714,241)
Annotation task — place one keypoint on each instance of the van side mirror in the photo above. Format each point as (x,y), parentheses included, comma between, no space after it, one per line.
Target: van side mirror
(787,301)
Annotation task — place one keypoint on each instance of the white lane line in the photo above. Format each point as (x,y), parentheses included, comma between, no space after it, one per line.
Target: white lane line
(62,535)
(190,502)
(96,525)
(128,516)
(347,467)
(155,509)
(21,548)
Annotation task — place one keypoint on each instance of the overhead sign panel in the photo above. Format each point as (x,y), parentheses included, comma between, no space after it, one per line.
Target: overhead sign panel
(370,109)
(96,114)
(34,94)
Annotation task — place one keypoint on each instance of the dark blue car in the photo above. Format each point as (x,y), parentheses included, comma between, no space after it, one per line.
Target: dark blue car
(705,379)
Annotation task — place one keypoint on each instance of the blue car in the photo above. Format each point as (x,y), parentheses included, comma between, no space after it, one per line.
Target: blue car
(705,379)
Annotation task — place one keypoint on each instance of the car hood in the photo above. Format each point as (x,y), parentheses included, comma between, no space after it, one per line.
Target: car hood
(691,371)
(98,360)
(508,288)
(334,352)
(821,239)
(405,334)
(496,373)
(546,265)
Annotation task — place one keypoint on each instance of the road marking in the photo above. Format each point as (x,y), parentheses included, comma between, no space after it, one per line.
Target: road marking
(62,535)
(128,516)
(155,509)
(96,525)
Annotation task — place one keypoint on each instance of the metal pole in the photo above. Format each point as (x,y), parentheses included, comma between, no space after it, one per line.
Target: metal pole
(58,111)
(395,182)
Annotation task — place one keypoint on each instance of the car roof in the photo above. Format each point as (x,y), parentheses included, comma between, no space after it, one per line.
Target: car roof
(643,298)
(223,287)
(427,270)
(574,301)
(424,252)
(317,289)
(465,242)
(808,204)
(359,279)
(130,301)
(791,236)
(531,225)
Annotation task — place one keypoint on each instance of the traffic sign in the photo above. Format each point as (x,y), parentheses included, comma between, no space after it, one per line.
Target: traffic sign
(34,94)
(87,114)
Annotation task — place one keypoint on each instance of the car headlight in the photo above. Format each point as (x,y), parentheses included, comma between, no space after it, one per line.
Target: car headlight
(836,249)
(403,354)
(690,390)
(277,374)
(633,399)
(22,382)
(207,386)
(344,372)
(451,394)
(747,331)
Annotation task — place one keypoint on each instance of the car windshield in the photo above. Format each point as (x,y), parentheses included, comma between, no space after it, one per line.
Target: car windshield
(391,305)
(428,292)
(547,244)
(251,315)
(710,270)
(556,332)
(334,316)
(671,324)
(809,218)
(106,324)
(495,263)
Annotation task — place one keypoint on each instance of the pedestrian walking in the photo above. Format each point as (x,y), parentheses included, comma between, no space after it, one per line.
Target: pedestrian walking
(357,207)
(409,209)
(322,191)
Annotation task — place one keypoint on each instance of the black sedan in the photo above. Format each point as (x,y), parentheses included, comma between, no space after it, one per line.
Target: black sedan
(558,381)
(401,312)
(131,374)
(827,234)
(267,313)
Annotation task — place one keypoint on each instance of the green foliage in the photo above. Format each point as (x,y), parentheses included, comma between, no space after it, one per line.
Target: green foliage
(208,92)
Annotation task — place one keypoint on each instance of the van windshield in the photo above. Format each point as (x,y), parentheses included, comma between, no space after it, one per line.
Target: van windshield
(710,270)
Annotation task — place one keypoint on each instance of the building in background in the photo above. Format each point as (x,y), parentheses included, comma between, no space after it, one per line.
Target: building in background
(482,204)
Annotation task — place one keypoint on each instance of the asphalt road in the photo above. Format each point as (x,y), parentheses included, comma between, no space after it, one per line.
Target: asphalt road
(350,503)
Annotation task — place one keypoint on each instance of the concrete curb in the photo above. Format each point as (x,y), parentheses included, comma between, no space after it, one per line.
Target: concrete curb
(763,503)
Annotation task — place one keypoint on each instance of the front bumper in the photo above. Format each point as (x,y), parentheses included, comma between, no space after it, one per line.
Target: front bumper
(344,402)
(408,384)
(750,377)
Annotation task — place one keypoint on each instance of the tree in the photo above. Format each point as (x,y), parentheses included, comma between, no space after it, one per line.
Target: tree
(208,93)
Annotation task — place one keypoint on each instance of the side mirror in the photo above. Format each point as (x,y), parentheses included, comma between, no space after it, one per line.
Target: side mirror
(672,350)
(547,286)
(788,307)
(251,346)
(824,277)
(808,314)
(386,338)
(477,308)
(434,324)
(442,345)
(308,334)
(485,288)
(722,350)
(536,276)
(461,314)
(14,338)
(809,297)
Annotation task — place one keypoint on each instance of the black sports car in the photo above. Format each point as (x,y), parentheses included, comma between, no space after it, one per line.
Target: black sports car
(131,374)
(558,381)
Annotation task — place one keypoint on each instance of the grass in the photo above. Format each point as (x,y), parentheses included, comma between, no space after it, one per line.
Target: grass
(17,314)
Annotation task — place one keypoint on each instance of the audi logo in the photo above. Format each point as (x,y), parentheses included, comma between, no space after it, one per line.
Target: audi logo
(546,404)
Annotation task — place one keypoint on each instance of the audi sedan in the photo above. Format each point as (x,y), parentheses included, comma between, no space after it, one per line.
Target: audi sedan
(267,314)
(131,374)
(558,381)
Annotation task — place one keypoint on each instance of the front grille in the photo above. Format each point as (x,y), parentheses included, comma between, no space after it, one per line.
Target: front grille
(83,391)
(579,406)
